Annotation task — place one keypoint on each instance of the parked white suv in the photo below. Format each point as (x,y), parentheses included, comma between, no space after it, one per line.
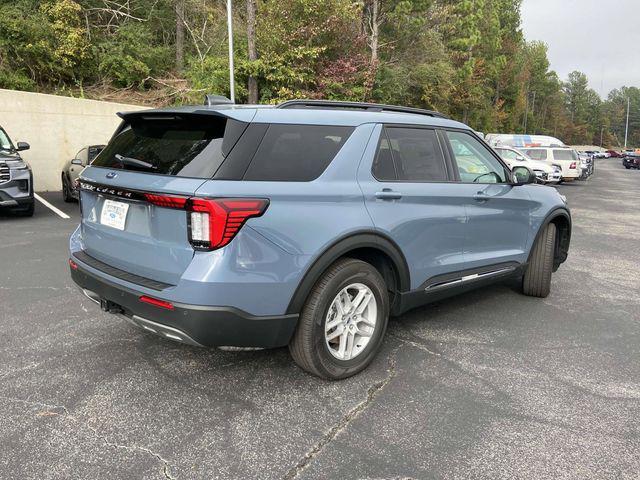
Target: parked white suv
(566,157)
(545,172)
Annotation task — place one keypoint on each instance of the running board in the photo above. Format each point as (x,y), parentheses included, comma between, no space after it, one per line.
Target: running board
(468,278)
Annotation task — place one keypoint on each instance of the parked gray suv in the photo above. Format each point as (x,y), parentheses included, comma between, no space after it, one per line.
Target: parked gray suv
(16,178)
(305,225)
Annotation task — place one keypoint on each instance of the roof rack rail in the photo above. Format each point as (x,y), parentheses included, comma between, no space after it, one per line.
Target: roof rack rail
(210,100)
(372,107)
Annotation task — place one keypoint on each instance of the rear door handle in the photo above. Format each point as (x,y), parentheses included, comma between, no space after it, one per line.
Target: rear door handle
(388,194)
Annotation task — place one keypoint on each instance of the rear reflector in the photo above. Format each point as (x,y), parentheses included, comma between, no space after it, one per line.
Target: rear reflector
(156,302)
(73,265)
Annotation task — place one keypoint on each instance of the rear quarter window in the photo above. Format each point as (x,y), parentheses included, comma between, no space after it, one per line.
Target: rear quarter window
(296,153)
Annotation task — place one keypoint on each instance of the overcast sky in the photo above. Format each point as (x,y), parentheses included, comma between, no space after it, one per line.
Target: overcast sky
(598,37)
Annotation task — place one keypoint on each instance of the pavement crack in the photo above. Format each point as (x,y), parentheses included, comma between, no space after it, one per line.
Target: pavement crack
(132,448)
(50,407)
(36,404)
(414,344)
(372,392)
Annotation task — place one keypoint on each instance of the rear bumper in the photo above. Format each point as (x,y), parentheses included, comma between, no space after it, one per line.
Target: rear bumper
(206,326)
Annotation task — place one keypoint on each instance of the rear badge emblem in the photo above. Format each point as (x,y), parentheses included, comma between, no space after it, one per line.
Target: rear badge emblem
(112,175)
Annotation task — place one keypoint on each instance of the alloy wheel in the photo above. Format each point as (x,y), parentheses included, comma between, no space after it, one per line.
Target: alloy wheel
(350,321)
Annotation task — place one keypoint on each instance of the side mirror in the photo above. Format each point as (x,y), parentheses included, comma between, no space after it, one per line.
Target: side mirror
(520,158)
(76,161)
(23,146)
(521,175)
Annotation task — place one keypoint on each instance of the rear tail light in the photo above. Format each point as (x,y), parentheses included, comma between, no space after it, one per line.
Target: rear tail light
(167,201)
(212,222)
(573,165)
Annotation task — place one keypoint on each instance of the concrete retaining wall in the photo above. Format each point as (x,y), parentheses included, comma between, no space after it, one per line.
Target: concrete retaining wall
(56,128)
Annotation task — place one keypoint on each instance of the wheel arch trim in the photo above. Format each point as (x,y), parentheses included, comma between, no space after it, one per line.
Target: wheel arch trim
(562,245)
(340,248)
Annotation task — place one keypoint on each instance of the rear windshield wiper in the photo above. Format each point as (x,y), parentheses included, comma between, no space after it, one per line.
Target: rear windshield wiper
(134,162)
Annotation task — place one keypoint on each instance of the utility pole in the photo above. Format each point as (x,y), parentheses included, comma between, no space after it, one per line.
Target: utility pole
(533,111)
(252,53)
(626,129)
(180,35)
(232,89)
(526,113)
(601,131)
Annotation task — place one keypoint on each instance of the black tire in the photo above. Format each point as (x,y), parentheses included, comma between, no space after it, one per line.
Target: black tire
(66,194)
(537,278)
(308,346)
(29,211)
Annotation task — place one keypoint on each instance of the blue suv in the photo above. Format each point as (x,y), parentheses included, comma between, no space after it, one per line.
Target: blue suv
(306,224)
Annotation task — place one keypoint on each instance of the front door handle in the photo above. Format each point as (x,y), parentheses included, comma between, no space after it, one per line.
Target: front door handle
(480,197)
(388,194)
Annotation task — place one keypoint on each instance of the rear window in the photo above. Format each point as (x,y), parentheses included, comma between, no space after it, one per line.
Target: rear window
(296,153)
(564,155)
(185,146)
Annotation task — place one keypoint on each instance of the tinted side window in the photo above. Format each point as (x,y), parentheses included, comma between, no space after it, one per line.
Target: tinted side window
(537,154)
(296,153)
(383,168)
(416,154)
(475,162)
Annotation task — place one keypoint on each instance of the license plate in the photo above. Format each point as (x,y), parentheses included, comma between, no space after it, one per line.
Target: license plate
(114,214)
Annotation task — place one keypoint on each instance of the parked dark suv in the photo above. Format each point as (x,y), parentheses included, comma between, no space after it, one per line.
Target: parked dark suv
(306,225)
(73,167)
(16,178)
(631,160)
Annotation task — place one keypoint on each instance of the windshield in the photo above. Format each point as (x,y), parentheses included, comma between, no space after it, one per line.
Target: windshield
(507,154)
(5,142)
(565,155)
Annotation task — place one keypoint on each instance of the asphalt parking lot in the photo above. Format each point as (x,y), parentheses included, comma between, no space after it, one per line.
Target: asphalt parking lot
(488,385)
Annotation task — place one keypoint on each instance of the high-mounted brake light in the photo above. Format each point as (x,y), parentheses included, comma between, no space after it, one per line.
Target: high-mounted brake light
(212,222)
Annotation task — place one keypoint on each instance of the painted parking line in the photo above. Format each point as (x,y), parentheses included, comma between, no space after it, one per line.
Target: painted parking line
(55,210)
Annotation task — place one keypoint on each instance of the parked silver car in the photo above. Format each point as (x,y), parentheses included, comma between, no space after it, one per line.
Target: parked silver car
(72,168)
